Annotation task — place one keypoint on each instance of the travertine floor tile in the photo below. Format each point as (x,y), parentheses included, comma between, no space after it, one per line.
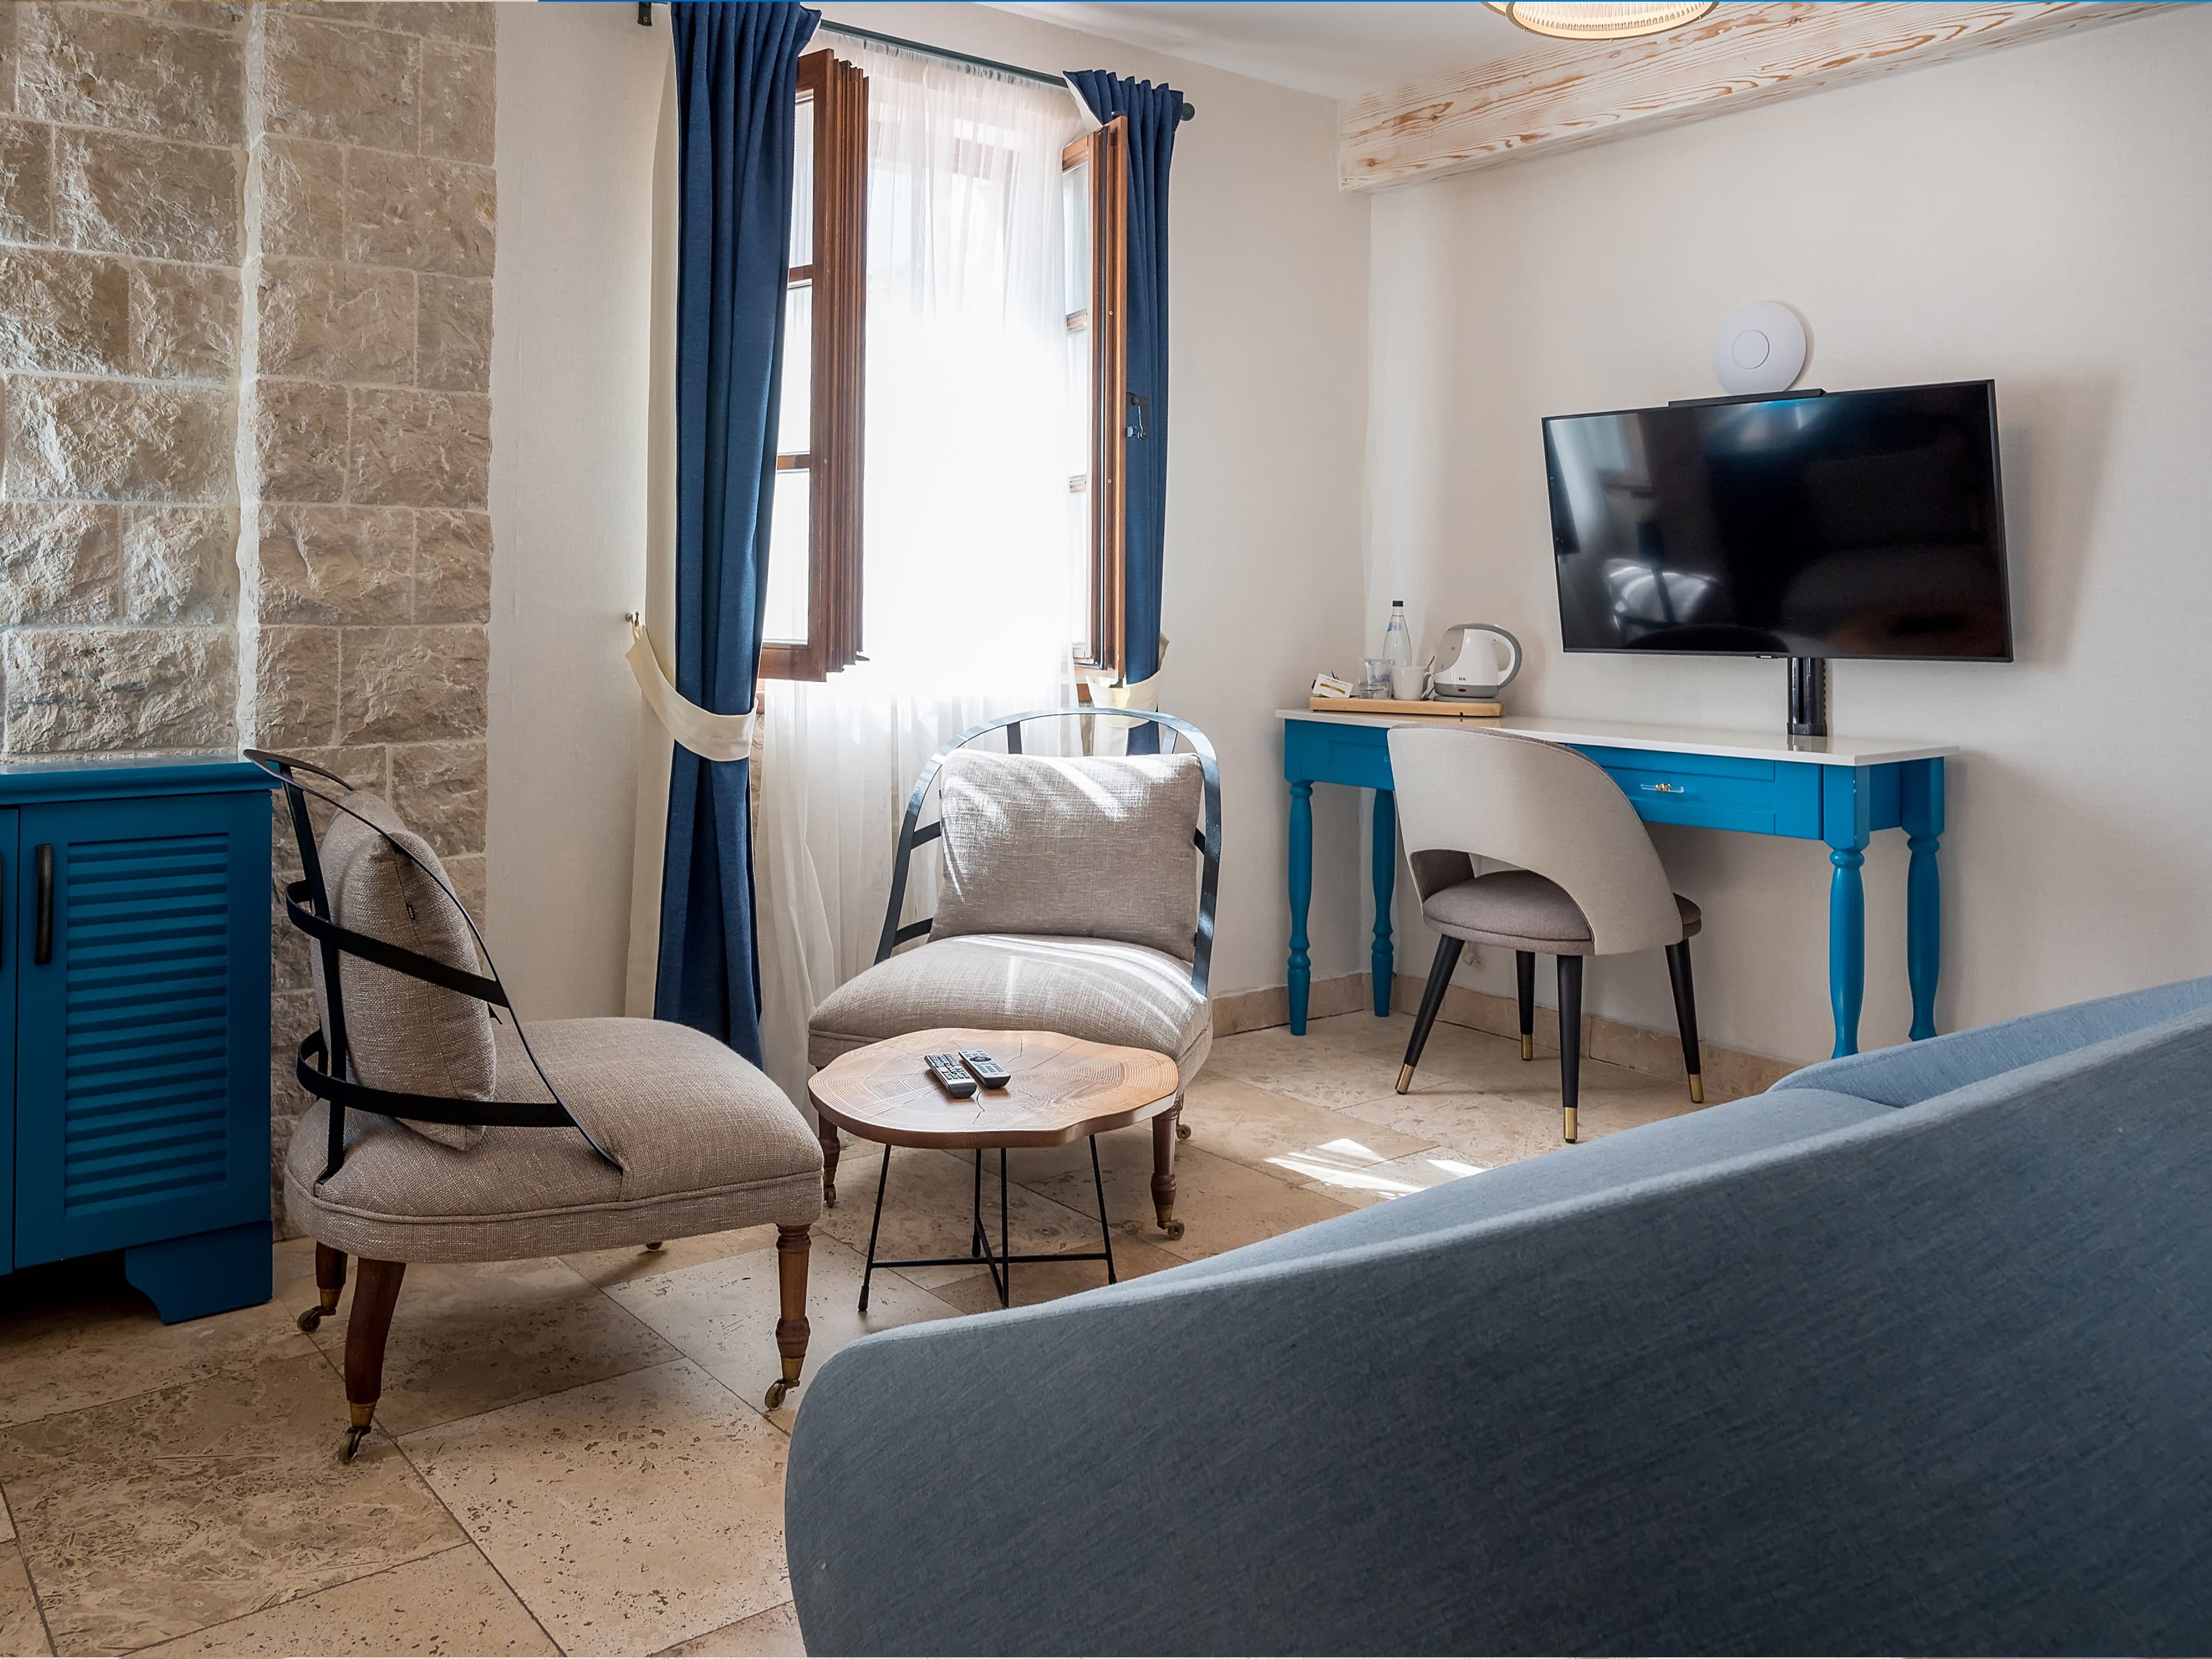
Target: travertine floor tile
(7,1527)
(1322,1074)
(452,1603)
(1240,1120)
(1375,1183)
(471,1337)
(1221,1204)
(769,1635)
(722,1314)
(160,1515)
(75,1335)
(928,1206)
(21,1630)
(607,1268)
(629,1515)
(1047,1281)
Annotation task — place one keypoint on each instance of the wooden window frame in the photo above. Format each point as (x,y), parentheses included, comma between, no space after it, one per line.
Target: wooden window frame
(834,95)
(1107,151)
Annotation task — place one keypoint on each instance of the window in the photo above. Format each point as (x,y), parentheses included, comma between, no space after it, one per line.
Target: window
(812,623)
(1094,202)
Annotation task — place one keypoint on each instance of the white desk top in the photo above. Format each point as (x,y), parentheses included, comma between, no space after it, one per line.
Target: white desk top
(1666,739)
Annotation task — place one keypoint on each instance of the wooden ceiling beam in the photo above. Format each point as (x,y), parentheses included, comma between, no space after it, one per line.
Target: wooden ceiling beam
(1561,95)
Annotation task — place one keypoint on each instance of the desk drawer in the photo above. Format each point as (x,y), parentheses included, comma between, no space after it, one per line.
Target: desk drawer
(1319,751)
(1717,792)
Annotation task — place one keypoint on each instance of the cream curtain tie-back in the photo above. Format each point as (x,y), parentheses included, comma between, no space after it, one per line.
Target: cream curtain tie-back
(709,736)
(1144,694)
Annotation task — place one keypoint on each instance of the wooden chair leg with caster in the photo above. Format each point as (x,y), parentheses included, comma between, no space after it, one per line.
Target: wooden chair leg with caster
(375,1293)
(1570,1041)
(1167,1129)
(791,1330)
(1432,1001)
(330,1284)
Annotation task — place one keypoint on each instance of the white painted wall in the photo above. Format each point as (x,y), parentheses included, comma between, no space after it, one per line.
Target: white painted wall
(2035,216)
(1268,312)
(579,105)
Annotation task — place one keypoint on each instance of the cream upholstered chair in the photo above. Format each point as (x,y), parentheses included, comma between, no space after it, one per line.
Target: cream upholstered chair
(1587,885)
(1075,895)
(441,1132)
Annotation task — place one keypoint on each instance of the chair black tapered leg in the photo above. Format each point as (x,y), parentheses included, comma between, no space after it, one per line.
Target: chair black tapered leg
(1570,1041)
(1440,973)
(1686,1016)
(1524,982)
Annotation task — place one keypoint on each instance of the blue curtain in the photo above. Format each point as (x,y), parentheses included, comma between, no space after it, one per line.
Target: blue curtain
(736,84)
(1153,113)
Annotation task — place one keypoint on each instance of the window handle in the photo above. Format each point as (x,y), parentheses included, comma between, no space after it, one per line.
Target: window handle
(42,946)
(1140,407)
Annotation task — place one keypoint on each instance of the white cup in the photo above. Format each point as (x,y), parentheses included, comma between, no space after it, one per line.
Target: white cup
(1409,681)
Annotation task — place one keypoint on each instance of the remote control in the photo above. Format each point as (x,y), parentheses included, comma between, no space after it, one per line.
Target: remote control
(950,1076)
(988,1070)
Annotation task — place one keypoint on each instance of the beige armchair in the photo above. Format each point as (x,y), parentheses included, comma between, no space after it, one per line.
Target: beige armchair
(1076,895)
(1588,882)
(443,1130)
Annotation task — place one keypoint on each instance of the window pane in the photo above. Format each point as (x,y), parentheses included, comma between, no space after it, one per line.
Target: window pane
(802,187)
(1075,213)
(1075,425)
(785,617)
(793,427)
(1078,563)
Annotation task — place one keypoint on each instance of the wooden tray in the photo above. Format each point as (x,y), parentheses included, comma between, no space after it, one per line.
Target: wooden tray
(1432,708)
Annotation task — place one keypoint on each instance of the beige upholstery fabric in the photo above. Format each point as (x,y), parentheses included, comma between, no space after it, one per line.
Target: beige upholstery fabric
(1099,990)
(1082,848)
(1521,911)
(1542,807)
(705,1143)
(402,1033)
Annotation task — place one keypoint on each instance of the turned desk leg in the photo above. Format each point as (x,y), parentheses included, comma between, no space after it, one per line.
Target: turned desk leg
(1163,1181)
(1380,966)
(1922,816)
(1301,964)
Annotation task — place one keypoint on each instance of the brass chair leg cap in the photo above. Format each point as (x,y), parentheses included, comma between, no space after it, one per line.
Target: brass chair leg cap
(359,1414)
(1405,1079)
(1696,1090)
(1527,1047)
(1567,1115)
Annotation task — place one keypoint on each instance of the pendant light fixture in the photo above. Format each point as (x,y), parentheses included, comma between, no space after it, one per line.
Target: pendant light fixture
(1600,19)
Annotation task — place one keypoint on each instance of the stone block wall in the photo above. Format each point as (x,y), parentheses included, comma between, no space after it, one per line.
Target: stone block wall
(122,149)
(245,261)
(365,425)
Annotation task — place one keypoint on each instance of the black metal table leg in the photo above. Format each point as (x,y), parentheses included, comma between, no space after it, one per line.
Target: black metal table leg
(867,1272)
(1005,1239)
(1105,1230)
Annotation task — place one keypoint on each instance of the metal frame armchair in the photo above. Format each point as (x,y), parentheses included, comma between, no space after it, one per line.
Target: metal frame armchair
(595,1133)
(1125,989)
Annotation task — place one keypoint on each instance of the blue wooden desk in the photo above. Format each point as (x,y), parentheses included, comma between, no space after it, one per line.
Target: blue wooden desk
(1835,790)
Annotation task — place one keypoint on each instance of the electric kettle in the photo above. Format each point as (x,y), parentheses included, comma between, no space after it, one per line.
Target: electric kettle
(1472,652)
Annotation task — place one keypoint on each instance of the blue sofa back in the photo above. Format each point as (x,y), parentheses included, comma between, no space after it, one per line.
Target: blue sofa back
(1805,1373)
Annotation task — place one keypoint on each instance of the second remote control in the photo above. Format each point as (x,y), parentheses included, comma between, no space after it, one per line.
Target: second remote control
(988,1070)
(951,1076)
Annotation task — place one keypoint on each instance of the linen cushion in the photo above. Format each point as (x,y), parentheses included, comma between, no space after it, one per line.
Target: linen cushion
(1098,849)
(703,1140)
(1522,911)
(1100,990)
(402,1033)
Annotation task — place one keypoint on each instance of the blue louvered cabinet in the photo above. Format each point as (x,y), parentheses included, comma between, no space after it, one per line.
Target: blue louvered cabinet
(134,963)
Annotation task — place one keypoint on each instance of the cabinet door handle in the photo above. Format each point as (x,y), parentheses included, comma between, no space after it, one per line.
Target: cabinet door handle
(42,944)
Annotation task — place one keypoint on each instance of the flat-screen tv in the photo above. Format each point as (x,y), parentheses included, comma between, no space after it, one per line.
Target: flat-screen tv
(1844,524)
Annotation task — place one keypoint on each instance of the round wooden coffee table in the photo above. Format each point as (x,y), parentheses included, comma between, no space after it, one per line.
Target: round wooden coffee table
(1062,1089)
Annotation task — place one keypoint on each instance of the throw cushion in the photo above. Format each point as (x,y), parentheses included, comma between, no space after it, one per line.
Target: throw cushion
(1095,848)
(402,1033)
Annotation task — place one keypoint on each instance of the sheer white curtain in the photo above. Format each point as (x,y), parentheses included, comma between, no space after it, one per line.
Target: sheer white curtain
(967,591)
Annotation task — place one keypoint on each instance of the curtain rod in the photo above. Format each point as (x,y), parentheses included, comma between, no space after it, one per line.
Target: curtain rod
(645,16)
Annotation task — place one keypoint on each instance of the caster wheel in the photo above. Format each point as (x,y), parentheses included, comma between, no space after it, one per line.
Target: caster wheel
(829,1196)
(1173,1230)
(352,1447)
(654,1246)
(309,1320)
(778,1391)
(1183,1132)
